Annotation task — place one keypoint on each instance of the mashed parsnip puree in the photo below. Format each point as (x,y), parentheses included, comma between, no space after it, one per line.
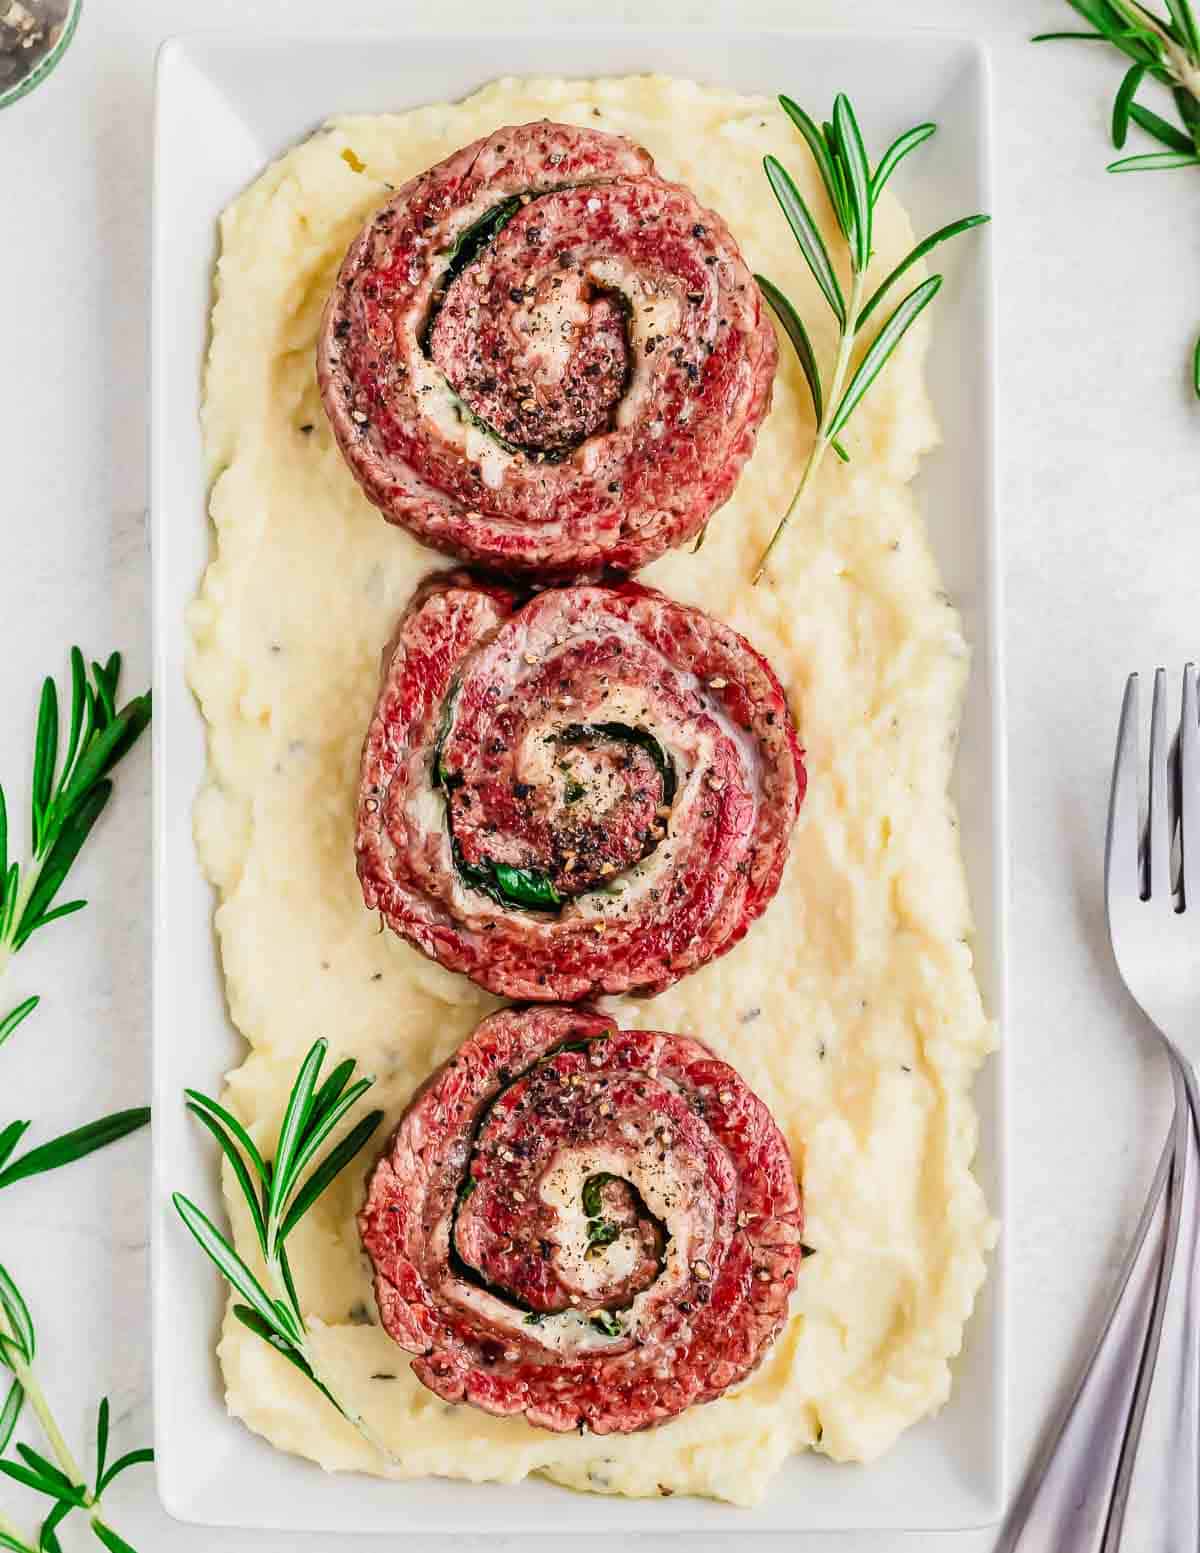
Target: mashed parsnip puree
(851,1007)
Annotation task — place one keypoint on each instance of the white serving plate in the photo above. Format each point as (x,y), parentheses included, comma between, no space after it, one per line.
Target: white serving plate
(227,105)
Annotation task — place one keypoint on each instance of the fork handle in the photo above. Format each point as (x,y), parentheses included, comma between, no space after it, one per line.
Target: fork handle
(1177,1501)
(1065,1502)
(1174,1491)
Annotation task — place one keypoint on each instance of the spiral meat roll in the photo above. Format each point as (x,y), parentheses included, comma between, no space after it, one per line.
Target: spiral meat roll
(590,1226)
(587,791)
(542,357)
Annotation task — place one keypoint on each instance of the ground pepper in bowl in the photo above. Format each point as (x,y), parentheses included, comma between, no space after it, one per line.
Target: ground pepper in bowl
(33,34)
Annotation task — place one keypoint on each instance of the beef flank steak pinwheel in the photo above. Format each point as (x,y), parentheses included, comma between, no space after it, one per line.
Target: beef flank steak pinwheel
(591,1226)
(542,357)
(589,792)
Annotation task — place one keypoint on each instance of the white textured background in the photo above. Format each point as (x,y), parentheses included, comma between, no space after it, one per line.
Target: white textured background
(1099,293)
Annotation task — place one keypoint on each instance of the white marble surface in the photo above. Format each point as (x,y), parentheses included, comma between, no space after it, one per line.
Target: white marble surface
(1100,463)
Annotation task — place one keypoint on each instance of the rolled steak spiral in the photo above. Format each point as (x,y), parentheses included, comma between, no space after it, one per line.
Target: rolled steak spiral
(591,1226)
(590,791)
(542,357)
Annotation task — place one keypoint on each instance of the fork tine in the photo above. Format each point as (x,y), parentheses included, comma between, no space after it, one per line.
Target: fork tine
(1189,789)
(1159,885)
(1122,868)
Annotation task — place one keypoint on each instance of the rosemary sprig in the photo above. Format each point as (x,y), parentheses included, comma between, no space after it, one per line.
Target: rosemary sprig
(278,1198)
(853,190)
(61,1480)
(1166,51)
(66,800)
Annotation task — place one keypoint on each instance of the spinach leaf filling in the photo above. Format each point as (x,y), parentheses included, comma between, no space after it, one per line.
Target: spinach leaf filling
(530,887)
(601,1232)
(467,247)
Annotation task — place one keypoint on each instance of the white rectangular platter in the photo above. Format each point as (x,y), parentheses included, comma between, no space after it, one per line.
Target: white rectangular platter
(226,106)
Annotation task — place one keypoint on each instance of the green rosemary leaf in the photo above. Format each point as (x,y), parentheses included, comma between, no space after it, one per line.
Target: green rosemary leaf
(238,1165)
(3,844)
(793,326)
(10,1352)
(232,1125)
(319,1130)
(1165,133)
(1187,106)
(122,1464)
(101,1444)
(64,849)
(110,744)
(10,1137)
(1139,46)
(882,346)
(858,173)
(1053,37)
(295,1120)
(896,153)
(110,1539)
(289,1309)
(329,1168)
(919,252)
(331,1090)
(47,1470)
(1184,21)
(34,1480)
(807,234)
(845,207)
(67,909)
(9,1023)
(16,1312)
(75,1145)
(10,1413)
(1196,368)
(820,152)
(1133,78)
(840,451)
(80,709)
(11,1542)
(227,1262)
(252,1319)
(9,893)
(45,759)
(1099,14)
(1155,161)
(1105,18)
(47,1538)
(106,677)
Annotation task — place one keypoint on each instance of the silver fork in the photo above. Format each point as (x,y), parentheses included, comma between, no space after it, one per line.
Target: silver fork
(1076,1494)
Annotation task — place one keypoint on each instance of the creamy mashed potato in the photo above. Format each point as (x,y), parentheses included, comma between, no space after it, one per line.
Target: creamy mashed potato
(851,1007)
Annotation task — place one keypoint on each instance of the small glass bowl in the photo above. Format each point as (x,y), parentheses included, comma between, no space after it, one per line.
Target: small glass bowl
(44,66)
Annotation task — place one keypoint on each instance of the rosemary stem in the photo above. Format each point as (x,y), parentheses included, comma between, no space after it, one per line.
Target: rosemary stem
(24,891)
(36,1398)
(821,443)
(11,1530)
(1179,61)
(279,1289)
